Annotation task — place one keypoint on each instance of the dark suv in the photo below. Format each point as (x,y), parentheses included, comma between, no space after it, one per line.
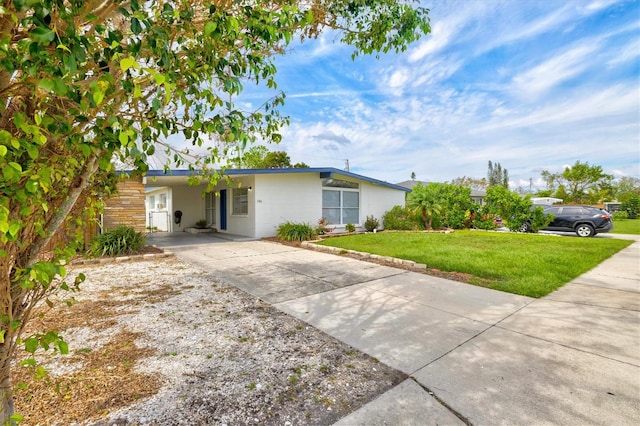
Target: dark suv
(585,221)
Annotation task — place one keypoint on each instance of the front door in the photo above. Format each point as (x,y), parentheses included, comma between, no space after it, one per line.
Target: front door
(223,209)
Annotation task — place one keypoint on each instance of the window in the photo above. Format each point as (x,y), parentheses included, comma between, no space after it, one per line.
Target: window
(163,202)
(341,203)
(240,201)
(210,208)
(152,202)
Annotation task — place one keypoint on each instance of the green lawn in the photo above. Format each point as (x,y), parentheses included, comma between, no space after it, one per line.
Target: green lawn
(527,264)
(626,226)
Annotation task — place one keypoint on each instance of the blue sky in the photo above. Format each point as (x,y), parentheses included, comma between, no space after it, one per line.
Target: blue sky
(532,84)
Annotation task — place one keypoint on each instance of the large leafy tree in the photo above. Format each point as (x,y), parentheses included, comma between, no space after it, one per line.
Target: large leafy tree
(457,203)
(259,157)
(470,182)
(515,210)
(85,83)
(580,183)
(277,160)
(625,188)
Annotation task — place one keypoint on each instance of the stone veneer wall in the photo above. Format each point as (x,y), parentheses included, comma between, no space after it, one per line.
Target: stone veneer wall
(127,207)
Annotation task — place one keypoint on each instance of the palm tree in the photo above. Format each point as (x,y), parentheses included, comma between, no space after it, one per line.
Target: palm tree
(426,200)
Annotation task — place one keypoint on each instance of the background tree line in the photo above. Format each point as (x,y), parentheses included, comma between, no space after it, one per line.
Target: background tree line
(580,183)
(449,205)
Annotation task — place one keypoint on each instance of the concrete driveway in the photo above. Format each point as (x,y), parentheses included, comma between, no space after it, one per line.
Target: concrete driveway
(474,355)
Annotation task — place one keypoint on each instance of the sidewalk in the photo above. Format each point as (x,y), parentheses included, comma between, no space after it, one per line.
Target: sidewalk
(473,355)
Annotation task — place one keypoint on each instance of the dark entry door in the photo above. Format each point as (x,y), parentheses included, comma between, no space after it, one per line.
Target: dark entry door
(223,209)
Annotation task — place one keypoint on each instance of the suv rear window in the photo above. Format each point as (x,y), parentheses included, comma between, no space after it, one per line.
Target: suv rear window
(573,210)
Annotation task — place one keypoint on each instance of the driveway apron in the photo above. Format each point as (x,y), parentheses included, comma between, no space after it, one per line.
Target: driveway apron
(473,355)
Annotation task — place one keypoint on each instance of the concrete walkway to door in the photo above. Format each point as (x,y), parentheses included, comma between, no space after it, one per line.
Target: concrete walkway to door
(473,355)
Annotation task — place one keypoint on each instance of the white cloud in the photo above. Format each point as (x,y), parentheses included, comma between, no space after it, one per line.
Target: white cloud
(627,53)
(399,78)
(552,72)
(596,6)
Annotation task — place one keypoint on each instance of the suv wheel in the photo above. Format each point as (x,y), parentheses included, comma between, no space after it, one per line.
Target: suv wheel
(525,227)
(585,230)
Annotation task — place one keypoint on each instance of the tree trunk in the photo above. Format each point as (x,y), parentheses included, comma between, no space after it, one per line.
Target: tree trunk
(6,404)
(426,219)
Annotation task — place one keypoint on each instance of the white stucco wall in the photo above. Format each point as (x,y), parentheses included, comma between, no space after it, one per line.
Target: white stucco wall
(187,199)
(376,200)
(238,224)
(298,198)
(286,197)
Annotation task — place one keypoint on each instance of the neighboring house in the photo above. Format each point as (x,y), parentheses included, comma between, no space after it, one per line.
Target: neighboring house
(256,201)
(477,195)
(612,206)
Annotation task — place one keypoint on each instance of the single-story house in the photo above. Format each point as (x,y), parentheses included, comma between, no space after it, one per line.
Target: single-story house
(256,201)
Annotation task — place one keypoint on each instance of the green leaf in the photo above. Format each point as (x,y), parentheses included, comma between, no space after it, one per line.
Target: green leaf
(64,348)
(59,87)
(210,27)
(2,333)
(46,84)
(3,150)
(70,62)
(29,362)
(16,166)
(136,27)
(33,152)
(5,137)
(127,63)
(41,373)
(42,35)
(123,137)
(31,345)
(31,186)
(14,228)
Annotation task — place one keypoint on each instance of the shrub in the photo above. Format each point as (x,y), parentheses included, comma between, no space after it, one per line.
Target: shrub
(323,227)
(632,207)
(118,241)
(402,219)
(484,221)
(290,231)
(371,223)
(201,224)
(620,214)
(350,227)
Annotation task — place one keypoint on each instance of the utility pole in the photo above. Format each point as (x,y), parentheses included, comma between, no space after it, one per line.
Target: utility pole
(530,185)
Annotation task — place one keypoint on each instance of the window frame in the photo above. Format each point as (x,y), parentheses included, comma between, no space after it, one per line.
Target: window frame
(240,195)
(341,208)
(210,208)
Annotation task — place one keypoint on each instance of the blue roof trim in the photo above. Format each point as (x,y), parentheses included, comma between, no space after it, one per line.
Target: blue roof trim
(322,171)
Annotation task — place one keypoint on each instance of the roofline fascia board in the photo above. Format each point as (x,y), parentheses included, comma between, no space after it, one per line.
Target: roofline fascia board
(322,171)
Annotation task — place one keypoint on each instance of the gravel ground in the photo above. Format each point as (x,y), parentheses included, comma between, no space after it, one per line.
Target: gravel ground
(159,342)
